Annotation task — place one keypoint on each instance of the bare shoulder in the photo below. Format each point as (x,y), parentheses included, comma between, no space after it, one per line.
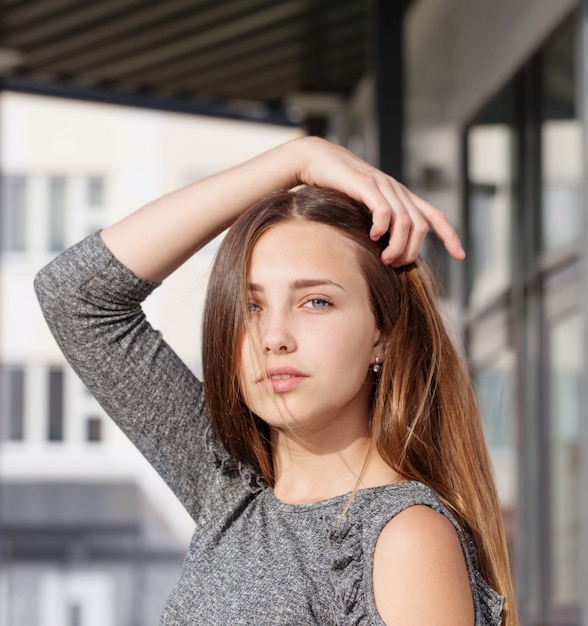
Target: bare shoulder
(420,574)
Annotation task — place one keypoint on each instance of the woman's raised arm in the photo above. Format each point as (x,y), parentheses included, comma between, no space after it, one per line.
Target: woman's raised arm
(160,236)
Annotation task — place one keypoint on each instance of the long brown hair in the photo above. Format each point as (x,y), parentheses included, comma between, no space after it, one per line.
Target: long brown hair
(424,422)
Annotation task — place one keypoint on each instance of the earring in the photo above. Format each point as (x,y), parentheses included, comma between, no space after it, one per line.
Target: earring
(376,366)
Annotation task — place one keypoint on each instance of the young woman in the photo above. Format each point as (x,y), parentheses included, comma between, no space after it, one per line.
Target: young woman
(333,461)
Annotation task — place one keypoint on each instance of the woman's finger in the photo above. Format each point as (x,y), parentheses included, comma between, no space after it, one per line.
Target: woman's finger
(414,243)
(410,219)
(394,208)
(405,228)
(368,191)
(440,225)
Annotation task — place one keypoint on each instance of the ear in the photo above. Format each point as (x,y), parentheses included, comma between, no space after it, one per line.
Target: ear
(379,343)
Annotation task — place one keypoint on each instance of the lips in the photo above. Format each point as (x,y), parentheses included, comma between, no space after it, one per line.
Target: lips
(283,379)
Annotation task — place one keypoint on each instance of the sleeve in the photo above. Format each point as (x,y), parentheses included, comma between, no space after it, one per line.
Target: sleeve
(92,304)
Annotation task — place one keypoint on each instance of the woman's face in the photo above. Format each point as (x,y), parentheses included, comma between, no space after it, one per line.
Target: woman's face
(306,356)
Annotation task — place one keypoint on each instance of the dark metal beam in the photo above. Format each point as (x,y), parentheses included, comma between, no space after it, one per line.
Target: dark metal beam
(250,112)
(387,25)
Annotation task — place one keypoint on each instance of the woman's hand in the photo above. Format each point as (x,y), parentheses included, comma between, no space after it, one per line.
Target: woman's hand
(394,207)
(157,238)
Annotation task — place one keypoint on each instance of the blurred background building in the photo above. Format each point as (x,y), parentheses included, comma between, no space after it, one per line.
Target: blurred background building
(479,105)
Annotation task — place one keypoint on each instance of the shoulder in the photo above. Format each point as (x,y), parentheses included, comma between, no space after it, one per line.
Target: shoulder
(420,574)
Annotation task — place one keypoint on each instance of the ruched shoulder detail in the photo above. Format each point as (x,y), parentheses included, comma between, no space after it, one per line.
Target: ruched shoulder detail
(345,559)
(351,545)
(491,603)
(488,603)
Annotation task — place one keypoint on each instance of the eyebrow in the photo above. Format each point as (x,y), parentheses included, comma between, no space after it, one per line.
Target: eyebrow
(301,283)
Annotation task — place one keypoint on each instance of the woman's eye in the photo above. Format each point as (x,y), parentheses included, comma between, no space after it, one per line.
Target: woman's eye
(252,307)
(317,303)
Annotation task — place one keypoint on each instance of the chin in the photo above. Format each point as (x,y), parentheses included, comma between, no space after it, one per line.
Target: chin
(283,419)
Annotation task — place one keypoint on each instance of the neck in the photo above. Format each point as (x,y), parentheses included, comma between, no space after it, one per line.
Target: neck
(321,465)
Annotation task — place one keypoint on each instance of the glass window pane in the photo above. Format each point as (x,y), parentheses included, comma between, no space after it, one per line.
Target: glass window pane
(94,429)
(95,187)
(12,399)
(14,212)
(57,215)
(561,137)
(566,366)
(490,184)
(55,431)
(75,615)
(495,388)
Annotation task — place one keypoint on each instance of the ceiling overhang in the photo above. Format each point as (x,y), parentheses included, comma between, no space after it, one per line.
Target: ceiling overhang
(243,58)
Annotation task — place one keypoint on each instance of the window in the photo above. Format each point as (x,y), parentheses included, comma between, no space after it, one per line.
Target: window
(561,140)
(55,404)
(14,213)
(495,383)
(526,314)
(75,615)
(12,401)
(492,174)
(95,191)
(94,429)
(566,366)
(57,213)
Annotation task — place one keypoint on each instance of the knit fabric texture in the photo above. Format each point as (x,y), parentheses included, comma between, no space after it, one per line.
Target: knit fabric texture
(252,559)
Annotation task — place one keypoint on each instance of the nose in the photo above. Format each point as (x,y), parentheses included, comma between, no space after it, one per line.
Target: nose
(277,334)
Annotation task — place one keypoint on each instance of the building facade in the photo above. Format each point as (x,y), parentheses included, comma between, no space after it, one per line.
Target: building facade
(496,113)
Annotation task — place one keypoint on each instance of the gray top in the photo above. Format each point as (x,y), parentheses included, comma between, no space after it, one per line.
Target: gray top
(253,559)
